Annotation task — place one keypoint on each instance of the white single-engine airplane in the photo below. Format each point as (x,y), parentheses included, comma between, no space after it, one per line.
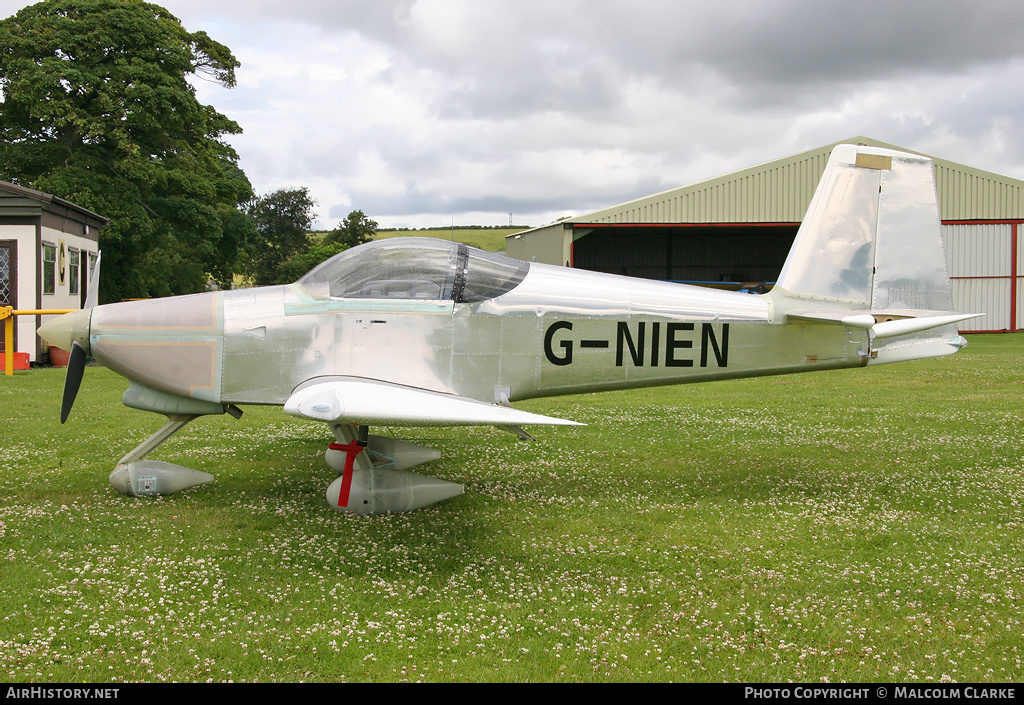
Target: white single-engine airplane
(424,332)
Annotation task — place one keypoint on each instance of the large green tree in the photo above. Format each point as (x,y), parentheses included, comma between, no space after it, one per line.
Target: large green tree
(354,230)
(283,219)
(98,109)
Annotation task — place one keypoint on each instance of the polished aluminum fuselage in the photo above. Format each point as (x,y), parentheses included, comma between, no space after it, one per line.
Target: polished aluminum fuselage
(865,283)
(560,331)
(415,331)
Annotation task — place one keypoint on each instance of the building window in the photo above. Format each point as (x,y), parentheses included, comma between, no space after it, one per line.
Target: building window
(49,269)
(6,275)
(75,261)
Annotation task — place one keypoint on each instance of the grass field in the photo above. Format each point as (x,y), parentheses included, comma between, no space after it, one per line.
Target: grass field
(491,239)
(861,525)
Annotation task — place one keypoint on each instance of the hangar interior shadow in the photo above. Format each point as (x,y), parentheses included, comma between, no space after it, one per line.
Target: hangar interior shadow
(704,254)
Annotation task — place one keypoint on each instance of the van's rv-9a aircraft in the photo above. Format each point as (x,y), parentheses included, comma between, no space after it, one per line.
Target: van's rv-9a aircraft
(424,332)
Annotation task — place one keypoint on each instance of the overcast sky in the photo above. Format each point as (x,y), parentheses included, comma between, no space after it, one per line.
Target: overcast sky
(428,112)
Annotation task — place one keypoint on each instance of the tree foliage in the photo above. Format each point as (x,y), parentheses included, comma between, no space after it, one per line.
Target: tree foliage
(296,266)
(97,108)
(354,230)
(283,219)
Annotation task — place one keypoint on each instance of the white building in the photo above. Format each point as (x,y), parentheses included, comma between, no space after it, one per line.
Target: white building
(48,247)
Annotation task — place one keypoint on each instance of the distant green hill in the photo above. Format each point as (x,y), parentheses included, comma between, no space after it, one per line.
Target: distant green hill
(491,239)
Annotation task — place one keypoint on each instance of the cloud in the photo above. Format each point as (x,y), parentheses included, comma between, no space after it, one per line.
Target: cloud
(421,111)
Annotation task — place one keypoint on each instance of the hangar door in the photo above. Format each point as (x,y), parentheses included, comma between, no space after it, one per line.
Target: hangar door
(745,253)
(985,263)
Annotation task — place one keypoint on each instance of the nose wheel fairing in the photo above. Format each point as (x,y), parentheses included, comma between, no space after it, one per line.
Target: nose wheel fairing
(135,476)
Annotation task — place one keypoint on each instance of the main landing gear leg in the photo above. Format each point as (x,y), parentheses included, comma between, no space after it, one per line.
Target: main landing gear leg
(373,476)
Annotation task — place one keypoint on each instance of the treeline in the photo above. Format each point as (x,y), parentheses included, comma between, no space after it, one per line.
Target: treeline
(457,227)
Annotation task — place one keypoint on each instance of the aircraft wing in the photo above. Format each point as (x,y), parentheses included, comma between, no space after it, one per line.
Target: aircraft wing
(884,324)
(366,401)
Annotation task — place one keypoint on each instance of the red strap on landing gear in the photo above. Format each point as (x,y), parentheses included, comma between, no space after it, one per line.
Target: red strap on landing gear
(352,449)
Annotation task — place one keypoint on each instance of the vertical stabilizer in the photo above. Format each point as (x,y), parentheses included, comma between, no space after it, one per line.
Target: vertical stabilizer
(871,239)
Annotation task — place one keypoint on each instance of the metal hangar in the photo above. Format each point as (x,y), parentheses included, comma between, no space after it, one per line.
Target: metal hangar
(734,231)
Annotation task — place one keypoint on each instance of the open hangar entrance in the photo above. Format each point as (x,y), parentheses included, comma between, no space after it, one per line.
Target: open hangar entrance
(739,227)
(730,256)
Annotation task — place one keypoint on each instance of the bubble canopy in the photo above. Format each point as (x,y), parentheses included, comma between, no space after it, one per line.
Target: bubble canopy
(417,268)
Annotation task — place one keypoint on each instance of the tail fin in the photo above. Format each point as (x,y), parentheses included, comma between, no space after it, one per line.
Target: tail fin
(869,252)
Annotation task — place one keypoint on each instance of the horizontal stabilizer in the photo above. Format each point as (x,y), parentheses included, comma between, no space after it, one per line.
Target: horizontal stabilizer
(884,324)
(364,401)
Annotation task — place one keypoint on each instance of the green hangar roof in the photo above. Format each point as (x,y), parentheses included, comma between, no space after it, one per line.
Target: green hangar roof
(780,191)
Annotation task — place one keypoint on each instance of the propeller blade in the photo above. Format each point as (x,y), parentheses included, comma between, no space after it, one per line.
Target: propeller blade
(63,332)
(72,379)
(93,295)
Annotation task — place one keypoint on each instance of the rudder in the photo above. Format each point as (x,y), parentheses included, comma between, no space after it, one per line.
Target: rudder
(869,255)
(872,236)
